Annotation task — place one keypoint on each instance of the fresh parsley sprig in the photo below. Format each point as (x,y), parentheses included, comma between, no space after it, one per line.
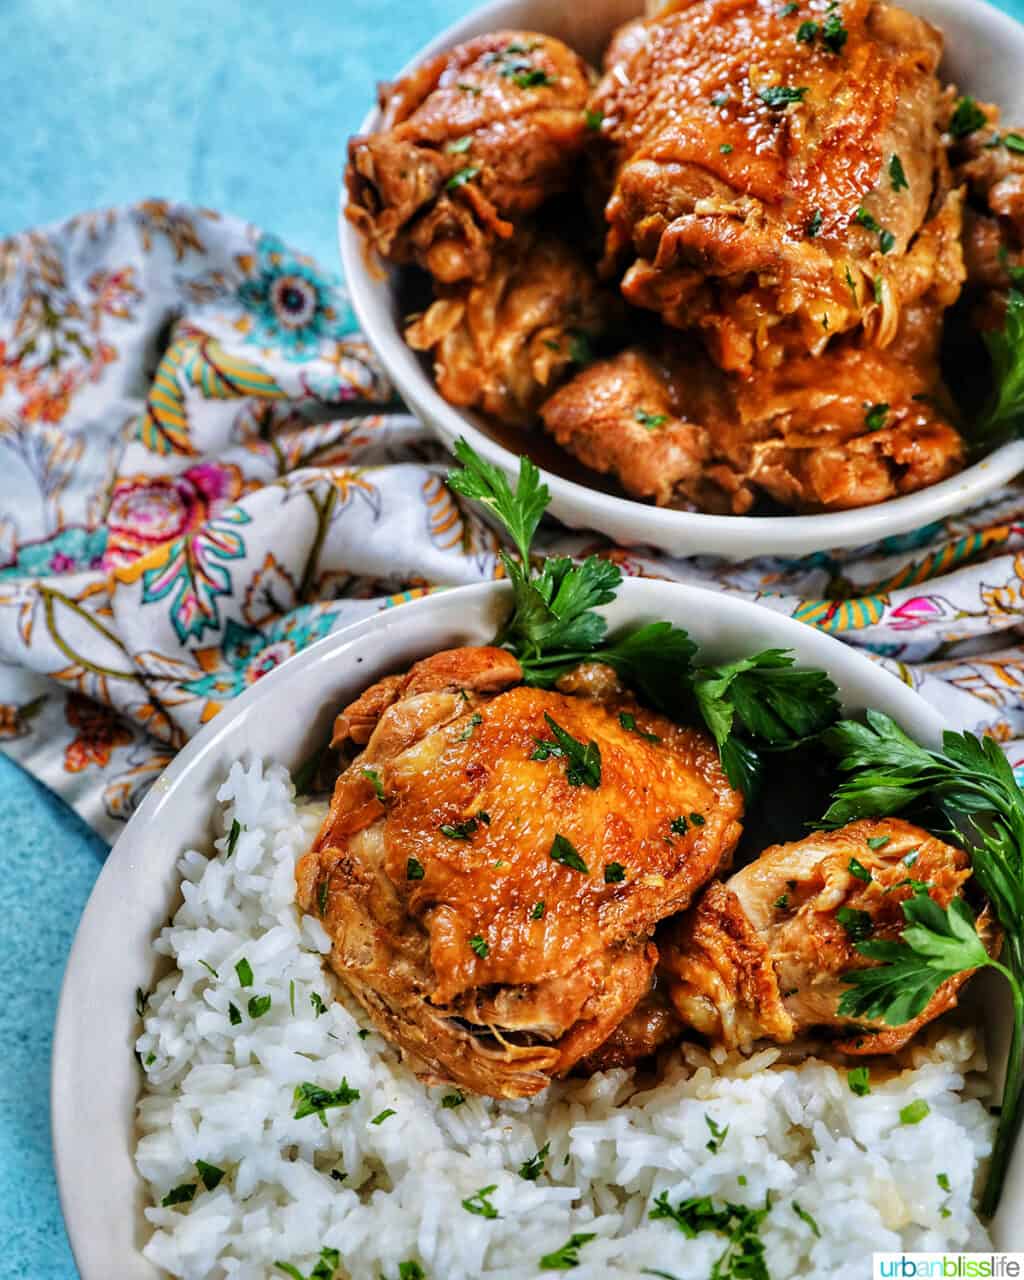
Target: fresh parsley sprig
(971,784)
(757,702)
(1004,414)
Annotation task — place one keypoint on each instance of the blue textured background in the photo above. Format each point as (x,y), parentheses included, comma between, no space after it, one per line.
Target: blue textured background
(242,105)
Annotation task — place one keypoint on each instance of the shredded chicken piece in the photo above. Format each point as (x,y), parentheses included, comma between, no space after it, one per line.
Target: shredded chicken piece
(473,938)
(502,343)
(470,144)
(761,956)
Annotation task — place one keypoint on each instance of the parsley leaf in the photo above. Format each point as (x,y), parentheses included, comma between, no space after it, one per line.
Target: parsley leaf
(210,1175)
(859,1080)
(244,971)
(563,851)
(718,1135)
(373,778)
(179,1195)
(779,96)
(650,421)
(531,1169)
(480,1204)
(568,1257)
(312,1100)
(381,1116)
(897,176)
(414,869)
(814,224)
(966,118)
(614,873)
(804,1216)
(537,911)
(858,869)
(833,34)
(858,924)
(233,834)
(452,1100)
(583,761)
(914,1112)
(1004,413)
(628,722)
(743,1258)
(806,32)
(258,1006)
(458,830)
(463,176)
(479,947)
(520,511)
(875,417)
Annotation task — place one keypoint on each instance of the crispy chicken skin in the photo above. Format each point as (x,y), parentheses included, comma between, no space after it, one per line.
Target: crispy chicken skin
(682,433)
(493,963)
(502,343)
(470,144)
(760,957)
(753,173)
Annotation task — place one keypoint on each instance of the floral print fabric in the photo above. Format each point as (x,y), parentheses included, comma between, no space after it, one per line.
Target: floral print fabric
(203,470)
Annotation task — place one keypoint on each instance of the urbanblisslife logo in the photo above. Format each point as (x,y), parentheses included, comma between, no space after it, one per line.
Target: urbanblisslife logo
(948,1266)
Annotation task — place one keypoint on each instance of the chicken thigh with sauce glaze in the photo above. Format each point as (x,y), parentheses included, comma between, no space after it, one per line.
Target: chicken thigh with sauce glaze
(490,907)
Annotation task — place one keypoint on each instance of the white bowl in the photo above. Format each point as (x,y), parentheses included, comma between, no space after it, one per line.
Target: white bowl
(984,55)
(96,1079)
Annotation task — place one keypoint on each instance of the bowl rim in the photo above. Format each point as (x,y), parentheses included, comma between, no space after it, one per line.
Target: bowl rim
(629,520)
(638,599)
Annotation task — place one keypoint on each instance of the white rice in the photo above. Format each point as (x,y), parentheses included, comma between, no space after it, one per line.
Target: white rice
(223,1094)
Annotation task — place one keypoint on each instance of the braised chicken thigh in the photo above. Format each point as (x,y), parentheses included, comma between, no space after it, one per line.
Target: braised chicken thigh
(470,144)
(491,886)
(502,343)
(766,160)
(762,955)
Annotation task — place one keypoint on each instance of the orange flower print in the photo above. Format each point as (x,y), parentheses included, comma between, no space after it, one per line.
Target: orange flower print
(48,403)
(99,732)
(146,511)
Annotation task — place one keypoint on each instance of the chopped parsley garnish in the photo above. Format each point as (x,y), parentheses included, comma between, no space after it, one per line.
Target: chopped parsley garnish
(859,1080)
(725,148)
(896,175)
(463,176)
(414,869)
(458,830)
(877,842)
(373,777)
(833,34)
(914,1112)
(886,240)
(743,1258)
(411,1271)
(537,911)
(679,826)
(780,96)
(234,1017)
(1013,142)
(479,946)
(209,969)
(568,1257)
(467,733)
(697,819)
(244,971)
(381,1116)
(563,851)
(628,722)
(966,118)
(781,903)
(580,351)
(943,1180)
(858,924)
(327,1265)
(233,834)
(583,761)
(593,120)
(141,1000)
(850,284)
(806,32)
(364,1033)
(650,421)
(317,1001)
(459,145)
(322,890)
(874,420)
(530,79)
(150,1059)
(179,1195)
(858,869)
(614,873)
(718,1135)
(452,1100)
(876,287)
(531,1169)
(719,99)
(312,1100)
(814,224)
(804,1216)
(258,1006)
(209,1173)
(480,1204)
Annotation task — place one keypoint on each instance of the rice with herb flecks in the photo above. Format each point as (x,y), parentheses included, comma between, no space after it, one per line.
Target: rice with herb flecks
(276,1128)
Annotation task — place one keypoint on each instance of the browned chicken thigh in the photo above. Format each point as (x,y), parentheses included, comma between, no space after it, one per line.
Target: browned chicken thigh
(491,901)
(761,956)
(772,167)
(502,343)
(470,144)
(855,425)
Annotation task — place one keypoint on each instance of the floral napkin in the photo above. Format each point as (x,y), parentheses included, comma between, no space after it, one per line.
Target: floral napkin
(203,470)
